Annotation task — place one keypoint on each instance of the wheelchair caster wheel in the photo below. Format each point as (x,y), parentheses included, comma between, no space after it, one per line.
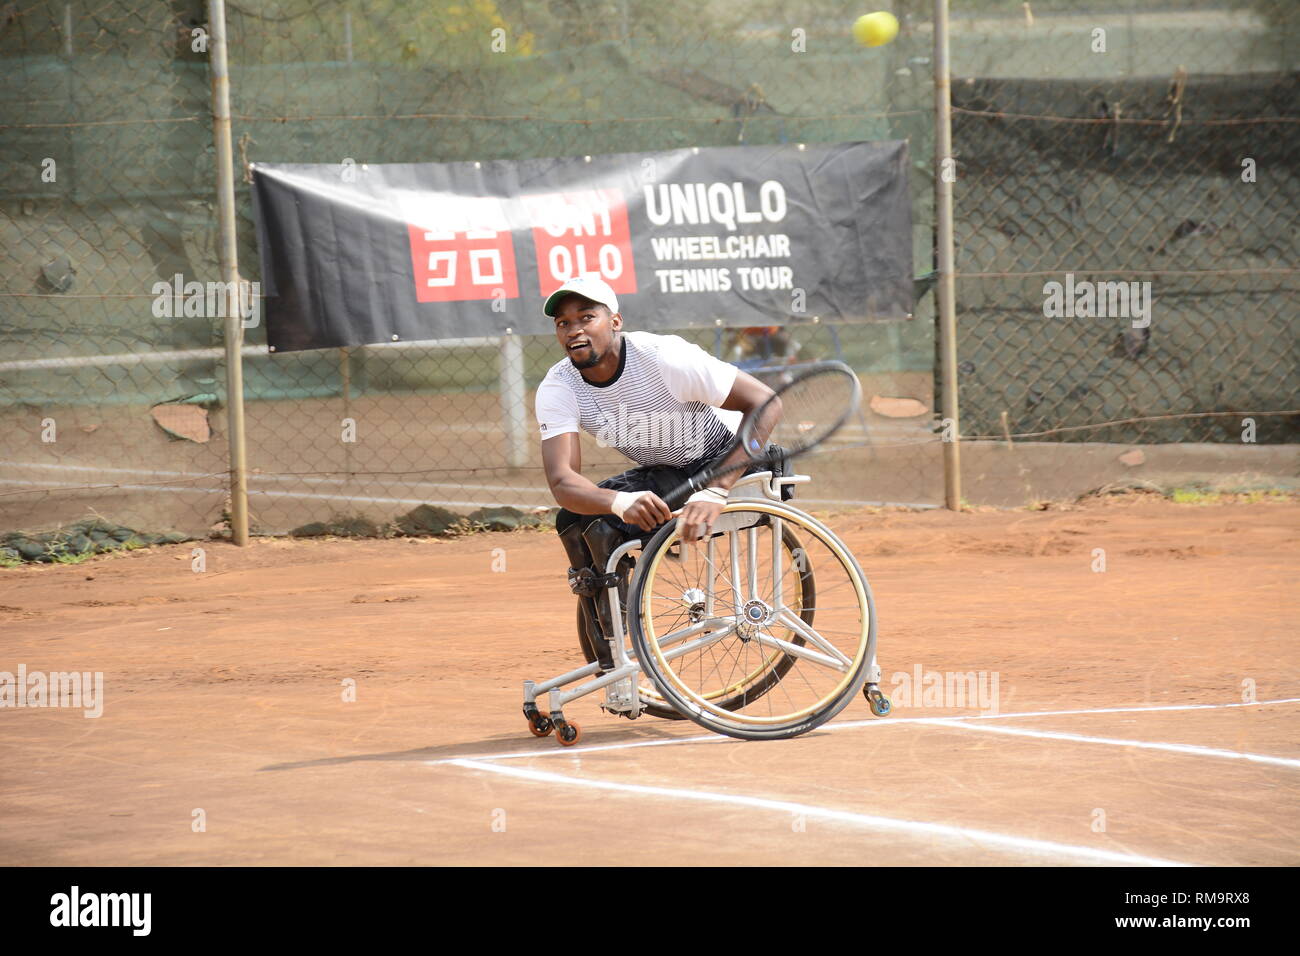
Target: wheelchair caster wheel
(568,734)
(540,726)
(881,705)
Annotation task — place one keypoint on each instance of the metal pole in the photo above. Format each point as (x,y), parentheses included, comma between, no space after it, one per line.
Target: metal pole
(345,373)
(511,385)
(234,337)
(945,290)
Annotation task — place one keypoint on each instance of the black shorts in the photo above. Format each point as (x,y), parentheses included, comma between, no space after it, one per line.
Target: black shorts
(662,479)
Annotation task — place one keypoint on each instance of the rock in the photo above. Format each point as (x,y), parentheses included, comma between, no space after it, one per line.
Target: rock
(87,536)
(1133,458)
(427,519)
(897,407)
(354,528)
(183,421)
(59,273)
(90,525)
(30,550)
(79,544)
(499,519)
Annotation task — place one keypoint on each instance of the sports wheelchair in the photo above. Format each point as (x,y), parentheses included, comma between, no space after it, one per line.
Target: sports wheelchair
(763,630)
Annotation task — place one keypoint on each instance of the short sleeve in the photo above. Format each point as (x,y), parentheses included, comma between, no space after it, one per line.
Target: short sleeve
(692,374)
(556,408)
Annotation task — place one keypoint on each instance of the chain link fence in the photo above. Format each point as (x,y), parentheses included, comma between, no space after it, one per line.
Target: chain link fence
(1126,246)
(105,190)
(1071,164)
(451,424)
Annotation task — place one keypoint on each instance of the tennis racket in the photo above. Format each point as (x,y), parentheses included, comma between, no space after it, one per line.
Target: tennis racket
(809,408)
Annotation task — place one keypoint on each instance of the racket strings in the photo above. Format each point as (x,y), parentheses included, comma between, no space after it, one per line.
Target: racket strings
(813,408)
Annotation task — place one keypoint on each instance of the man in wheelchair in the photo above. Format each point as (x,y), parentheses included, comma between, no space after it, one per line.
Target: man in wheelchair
(663,402)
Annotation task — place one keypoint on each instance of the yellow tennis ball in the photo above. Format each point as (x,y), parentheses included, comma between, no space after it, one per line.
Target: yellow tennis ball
(875,29)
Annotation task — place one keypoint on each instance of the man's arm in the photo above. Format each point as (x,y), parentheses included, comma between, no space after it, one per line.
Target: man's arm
(562,459)
(747,395)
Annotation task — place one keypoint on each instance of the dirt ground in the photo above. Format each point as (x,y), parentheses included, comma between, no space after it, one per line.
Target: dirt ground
(1147,713)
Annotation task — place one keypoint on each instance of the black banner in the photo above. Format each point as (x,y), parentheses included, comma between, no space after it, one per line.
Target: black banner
(749,235)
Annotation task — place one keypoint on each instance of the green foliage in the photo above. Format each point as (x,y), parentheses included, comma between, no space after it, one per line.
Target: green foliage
(452,36)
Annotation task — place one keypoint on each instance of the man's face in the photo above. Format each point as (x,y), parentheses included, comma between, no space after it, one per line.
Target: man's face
(585,329)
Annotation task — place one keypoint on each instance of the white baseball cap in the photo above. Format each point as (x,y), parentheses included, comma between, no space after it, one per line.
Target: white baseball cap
(589,285)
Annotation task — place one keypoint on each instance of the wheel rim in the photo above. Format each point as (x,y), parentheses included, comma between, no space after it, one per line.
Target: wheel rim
(823,664)
(772,668)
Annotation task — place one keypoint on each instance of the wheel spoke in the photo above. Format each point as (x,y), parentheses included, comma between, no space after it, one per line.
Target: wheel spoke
(711,638)
(808,634)
(798,650)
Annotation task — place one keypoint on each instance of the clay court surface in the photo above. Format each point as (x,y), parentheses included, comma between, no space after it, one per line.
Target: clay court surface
(1123,732)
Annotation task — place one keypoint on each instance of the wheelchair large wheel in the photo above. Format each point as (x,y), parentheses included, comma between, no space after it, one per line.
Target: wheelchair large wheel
(728,635)
(744,688)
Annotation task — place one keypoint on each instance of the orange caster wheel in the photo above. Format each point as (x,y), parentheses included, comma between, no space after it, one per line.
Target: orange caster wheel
(568,734)
(540,726)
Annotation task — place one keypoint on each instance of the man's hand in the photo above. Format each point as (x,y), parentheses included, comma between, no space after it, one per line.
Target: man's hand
(647,512)
(697,518)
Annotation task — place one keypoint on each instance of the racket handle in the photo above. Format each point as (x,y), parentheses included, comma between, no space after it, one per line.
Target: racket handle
(676,498)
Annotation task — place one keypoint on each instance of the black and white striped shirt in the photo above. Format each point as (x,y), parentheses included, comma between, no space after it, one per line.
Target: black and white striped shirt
(660,408)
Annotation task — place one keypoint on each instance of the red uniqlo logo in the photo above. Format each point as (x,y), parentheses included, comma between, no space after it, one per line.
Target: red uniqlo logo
(585,231)
(460,250)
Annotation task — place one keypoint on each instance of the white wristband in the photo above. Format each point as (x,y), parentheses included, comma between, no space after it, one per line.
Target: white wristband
(624,500)
(712,494)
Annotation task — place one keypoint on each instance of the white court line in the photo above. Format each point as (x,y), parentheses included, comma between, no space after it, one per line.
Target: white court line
(846,725)
(1000,840)
(596,748)
(1114,742)
(1067,713)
